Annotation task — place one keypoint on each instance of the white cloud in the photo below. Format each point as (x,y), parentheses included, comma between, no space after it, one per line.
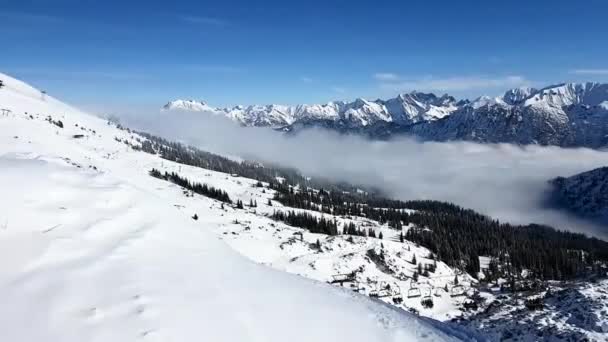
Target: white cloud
(338,90)
(306,79)
(591,72)
(460,83)
(386,76)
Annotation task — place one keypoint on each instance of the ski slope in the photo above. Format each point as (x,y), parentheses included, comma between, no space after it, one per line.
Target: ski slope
(93,249)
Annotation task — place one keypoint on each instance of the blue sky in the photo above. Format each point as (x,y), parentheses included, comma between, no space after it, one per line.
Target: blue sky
(136,53)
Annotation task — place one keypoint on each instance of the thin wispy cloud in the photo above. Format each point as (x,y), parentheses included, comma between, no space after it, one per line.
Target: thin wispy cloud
(306,79)
(590,72)
(461,83)
(204,20)
(386,76)
(338,90)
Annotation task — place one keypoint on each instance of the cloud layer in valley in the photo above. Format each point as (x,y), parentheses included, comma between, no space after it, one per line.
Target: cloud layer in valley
(505,181)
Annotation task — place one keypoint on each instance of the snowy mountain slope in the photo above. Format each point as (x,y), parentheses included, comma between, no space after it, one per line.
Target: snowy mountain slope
(94,249)
(286,249)
(571,114)
(567,94)
(417,107)
(292,249)
(518,95)
(572,312)
(585,194)
(374,261)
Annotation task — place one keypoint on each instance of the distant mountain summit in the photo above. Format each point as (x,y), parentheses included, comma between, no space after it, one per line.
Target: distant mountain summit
(518,95)
(189,105)
(569,114)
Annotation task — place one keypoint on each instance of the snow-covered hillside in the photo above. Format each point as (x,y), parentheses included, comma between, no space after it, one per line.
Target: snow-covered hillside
(571,114)
(94,249)
(571,312)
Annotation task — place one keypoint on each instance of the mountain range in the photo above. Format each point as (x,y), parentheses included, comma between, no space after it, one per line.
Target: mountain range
(567,115)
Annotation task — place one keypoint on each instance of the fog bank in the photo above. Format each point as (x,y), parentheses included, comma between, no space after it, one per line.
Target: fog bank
(505,181)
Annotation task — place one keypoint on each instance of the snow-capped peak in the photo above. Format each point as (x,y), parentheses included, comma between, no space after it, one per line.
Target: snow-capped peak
(487,101)
(517,95)
(569,94)
(415,107)
(189,105)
